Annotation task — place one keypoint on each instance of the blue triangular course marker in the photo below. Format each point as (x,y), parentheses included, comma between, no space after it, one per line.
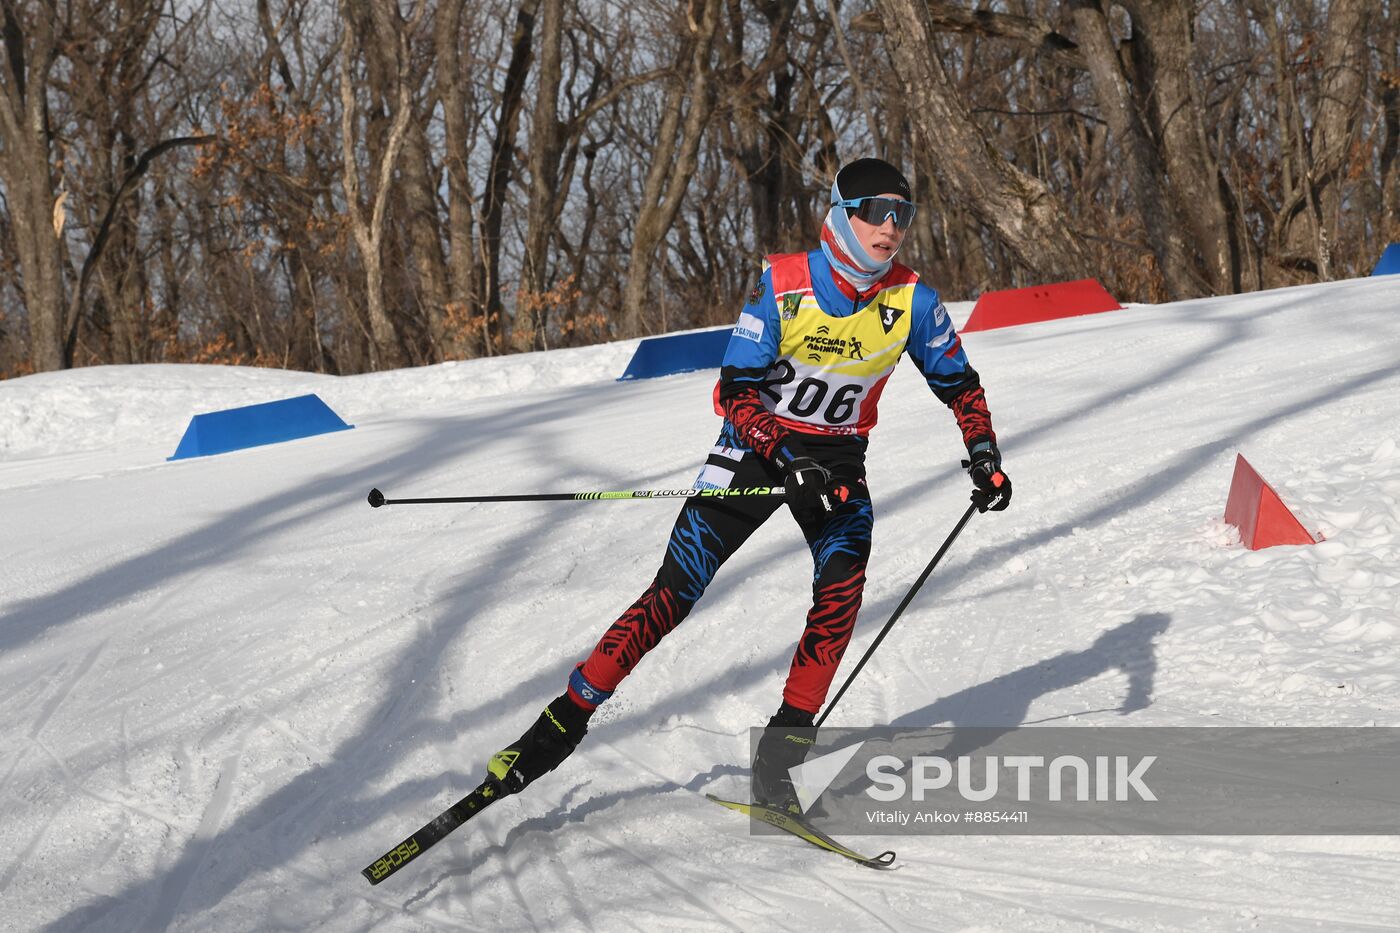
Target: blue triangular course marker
(1389,263)
(287,419)
(678,353)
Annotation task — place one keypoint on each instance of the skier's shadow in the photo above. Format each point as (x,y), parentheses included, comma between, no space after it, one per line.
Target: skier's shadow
(1006,700)
(564,814)
(997,706)
(984,712)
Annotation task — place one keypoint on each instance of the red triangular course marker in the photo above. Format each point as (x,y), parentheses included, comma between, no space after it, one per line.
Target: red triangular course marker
(1259,514)
(1038,303)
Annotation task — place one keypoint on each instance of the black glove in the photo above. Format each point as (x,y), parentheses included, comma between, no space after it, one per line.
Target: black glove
(993,487)
(812,493)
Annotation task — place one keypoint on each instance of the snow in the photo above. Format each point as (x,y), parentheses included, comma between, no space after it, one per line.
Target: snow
(227,684)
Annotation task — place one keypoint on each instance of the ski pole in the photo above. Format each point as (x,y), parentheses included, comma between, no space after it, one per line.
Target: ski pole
(376,498)
(908,597)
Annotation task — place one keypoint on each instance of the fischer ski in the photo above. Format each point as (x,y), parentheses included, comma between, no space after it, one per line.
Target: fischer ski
(802,830)
(432,833)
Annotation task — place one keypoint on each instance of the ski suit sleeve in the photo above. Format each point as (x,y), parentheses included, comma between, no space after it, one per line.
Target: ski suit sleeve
(936,348)
(752,350)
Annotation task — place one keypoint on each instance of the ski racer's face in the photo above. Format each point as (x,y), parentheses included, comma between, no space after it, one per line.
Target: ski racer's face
(881,241)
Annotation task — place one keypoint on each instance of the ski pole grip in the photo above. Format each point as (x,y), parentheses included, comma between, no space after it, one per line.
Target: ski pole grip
(376,498)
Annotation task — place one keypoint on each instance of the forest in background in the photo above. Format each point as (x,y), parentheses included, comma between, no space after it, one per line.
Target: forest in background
(360,185)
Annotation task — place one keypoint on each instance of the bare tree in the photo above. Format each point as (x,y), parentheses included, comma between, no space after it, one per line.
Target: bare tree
(466,303)
(1388,97)
(1016,207)
(36,211)
(1145,171)
(384,25)
(545,147)
(289,169)
(689,101)
(761,128)
(1336,126)
(1314,152)
(378,173)
(493,199)
(1161,58)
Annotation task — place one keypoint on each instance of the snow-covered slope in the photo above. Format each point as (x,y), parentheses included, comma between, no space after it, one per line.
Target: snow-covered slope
(226,684)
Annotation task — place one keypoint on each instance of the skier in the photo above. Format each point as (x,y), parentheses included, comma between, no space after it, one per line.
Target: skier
(802,374)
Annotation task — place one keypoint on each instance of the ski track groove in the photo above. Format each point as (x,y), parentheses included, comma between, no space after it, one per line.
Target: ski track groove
(862,907)
(314,752)
(455,844)
(988,643)
(578,910)
(611,843)
(762,896)
(686,894)
(109,849)
(1063,885)
(14,758)
(62,693)
(77,786)
(376,900)
(342,647)
(35,685)
(511,875)
(23,856)
(1059,913)
(191,858)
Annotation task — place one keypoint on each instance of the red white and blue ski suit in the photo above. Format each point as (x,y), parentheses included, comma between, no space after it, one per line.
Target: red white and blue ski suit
(808,359)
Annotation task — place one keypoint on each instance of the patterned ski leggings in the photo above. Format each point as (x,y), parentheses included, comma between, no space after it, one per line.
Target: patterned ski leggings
(706,534)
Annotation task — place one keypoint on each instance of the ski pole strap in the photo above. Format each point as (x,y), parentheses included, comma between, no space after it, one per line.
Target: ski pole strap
(377,498)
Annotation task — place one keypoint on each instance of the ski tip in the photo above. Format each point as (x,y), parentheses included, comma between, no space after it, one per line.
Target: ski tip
(376,498)
(731,804)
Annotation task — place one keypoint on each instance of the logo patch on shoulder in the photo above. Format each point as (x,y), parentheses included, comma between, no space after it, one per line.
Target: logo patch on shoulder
(756,295)
(791,303)
(889,316)
(749,327)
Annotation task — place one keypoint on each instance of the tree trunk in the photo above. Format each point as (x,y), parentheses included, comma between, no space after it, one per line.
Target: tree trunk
(417,189)
(493,199)
(35,212)
(466,304)
(1337,125)
(1162,49)
(1143,169)
(385,348)
(673,160)
(417,193)
(1306,226)
(1388,92)
(758,136)
(1017,208)
(546,145)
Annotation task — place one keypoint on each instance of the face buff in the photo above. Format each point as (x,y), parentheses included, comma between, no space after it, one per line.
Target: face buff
(844,251)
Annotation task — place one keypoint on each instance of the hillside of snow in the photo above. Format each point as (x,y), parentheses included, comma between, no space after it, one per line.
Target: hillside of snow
(227,684)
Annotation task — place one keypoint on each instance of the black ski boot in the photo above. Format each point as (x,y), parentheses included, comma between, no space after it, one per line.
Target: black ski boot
(784,745)
(542,748)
